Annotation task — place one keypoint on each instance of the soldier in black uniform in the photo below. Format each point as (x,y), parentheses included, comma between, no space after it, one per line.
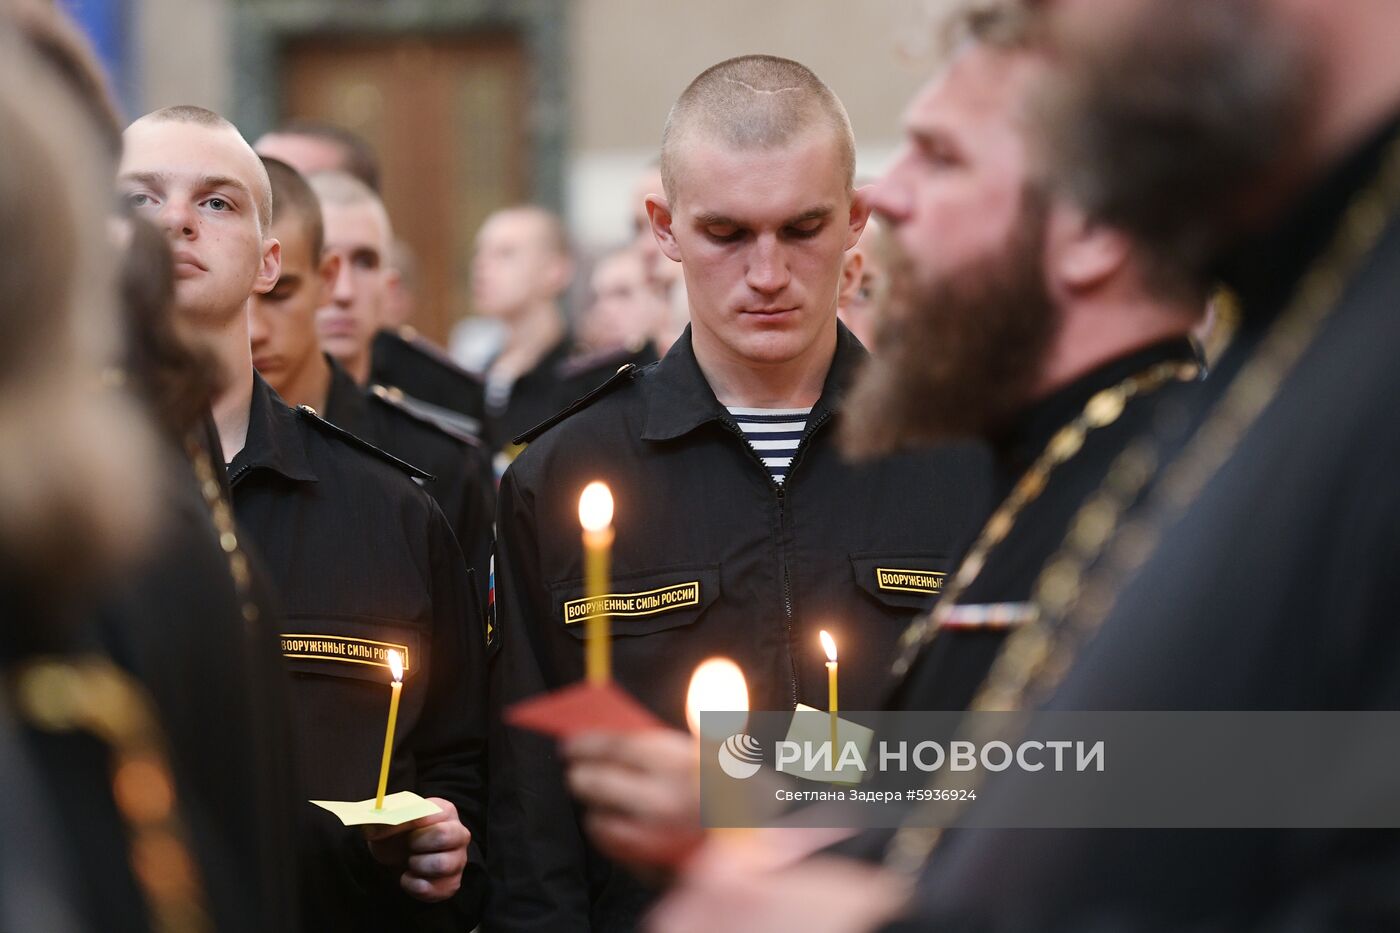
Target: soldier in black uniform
(758,536)
(521,268)
(286,354)
(362,558)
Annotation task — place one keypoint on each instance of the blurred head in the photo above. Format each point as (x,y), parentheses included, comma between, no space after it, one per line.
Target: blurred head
(522,261)
(757,160)
(67,442)
(310,146)
(358,237)
(866,279)
(66,50)
(1178,119)
(991,267)
(626,311)
(282,322)
(189,171)
(967,333)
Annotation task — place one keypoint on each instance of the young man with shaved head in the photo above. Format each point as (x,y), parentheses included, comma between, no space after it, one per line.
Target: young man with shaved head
(361,557)
(731,496)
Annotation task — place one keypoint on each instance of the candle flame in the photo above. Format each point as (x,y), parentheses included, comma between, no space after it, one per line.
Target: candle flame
(828,645)
(716,686)
(595,507)
(395,665)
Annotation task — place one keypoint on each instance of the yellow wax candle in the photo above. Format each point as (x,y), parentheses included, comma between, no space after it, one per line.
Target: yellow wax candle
(595,513)
(829,645)
(396,667)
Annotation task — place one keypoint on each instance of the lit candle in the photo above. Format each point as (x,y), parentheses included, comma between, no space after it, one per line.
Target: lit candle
(716,686)
(595,514)
(395,667)
(829,645)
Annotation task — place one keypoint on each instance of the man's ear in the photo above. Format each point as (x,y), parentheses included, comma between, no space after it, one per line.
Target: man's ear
(1083,253)
(659,213)
(327,273)
(860,213)
(270,268)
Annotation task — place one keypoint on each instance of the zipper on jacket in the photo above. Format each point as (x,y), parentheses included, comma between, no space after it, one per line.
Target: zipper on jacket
(780,490)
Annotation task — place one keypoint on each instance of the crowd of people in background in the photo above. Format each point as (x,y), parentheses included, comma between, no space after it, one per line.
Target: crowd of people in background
(1100,367)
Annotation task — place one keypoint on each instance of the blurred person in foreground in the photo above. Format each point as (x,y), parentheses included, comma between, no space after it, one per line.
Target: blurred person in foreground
(185,616)
(360,556)
(69,850)
(729,487)
(334,269)
(1259,140)
(521,268)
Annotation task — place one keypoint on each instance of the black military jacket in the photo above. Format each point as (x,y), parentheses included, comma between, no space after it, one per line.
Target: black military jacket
(722,561)
(1275,589)
(560,378)
(461,482)
(402,359)
(364,560)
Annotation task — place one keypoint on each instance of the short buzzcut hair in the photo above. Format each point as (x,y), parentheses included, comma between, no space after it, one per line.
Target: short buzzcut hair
(549,224)
(358,156)
(200,116)
(345,190)
(292,198)
(755,102)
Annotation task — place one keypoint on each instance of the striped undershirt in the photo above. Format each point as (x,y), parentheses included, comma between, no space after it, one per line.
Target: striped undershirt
(774,434)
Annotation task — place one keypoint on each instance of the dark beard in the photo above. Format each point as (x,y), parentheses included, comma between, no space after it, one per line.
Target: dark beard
(957,359)
(1175,123)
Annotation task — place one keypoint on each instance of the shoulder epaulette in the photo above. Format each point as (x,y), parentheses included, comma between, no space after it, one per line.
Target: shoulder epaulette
(623,376)
(607,358)
(454,424)
(307,413)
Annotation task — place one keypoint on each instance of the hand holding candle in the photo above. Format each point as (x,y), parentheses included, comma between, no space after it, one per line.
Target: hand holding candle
(595,514)
(395,667)
(829,645)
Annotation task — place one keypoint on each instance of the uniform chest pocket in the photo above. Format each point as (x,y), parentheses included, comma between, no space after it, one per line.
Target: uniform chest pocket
(640,603)
(352,646)
(902,580)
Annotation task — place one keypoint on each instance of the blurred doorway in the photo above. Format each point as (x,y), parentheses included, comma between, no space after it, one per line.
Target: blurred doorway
(448,118)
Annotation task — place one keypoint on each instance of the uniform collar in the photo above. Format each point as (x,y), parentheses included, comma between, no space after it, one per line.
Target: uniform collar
(347,405)
(679,400)
(275,438)
(1029,432)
